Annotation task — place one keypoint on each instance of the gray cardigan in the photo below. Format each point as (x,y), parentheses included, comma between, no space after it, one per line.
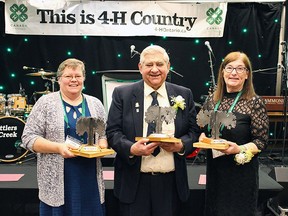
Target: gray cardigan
(47,120)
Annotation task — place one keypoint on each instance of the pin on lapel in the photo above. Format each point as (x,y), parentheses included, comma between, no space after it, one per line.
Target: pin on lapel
(137,107)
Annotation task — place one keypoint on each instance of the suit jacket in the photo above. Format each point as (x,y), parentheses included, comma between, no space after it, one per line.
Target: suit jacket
(124,124)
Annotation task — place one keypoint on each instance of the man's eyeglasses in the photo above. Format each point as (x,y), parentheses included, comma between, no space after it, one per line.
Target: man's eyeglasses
(79,78)
(238,70)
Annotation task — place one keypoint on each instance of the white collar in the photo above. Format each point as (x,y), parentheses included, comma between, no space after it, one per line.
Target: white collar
(148,90)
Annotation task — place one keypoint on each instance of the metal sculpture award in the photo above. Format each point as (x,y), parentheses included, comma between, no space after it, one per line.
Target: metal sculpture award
(91,125)
(216,121)
(157,115)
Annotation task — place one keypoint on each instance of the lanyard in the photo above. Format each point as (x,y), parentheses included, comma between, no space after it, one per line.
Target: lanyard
(65,115)
(232,106)
(230,109)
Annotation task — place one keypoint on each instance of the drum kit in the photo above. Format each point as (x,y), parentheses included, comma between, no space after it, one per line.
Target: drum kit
(14,110)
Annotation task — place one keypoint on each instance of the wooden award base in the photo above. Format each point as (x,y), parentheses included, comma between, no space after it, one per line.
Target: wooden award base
(93,152)
(208,143)
(159,138)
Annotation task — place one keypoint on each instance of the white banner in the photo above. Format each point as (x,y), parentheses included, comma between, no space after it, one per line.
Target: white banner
(115,18)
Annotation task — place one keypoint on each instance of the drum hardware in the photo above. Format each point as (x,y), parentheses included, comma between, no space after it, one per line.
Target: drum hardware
(32,99)
(35,96)
(42,73)
(28,157)
(42,92)
(27,111)
(28,108)
(21,90)
(2,103)
(17,102)
(11,129)
(52,80)
(7,110)
(47,91)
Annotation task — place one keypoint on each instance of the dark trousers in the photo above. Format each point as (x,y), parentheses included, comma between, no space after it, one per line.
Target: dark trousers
(156,196)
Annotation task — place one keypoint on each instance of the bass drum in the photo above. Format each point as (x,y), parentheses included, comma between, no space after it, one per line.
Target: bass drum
(11,129)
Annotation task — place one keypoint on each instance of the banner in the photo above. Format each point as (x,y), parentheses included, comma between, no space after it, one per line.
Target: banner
(115,18)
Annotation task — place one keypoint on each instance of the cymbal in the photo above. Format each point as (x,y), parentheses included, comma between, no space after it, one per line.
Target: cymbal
(41,73)
(42,92)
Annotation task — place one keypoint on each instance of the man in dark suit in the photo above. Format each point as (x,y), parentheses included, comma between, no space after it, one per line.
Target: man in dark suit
(147,184)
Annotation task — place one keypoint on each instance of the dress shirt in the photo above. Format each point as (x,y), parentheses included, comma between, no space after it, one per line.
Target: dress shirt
(164,161)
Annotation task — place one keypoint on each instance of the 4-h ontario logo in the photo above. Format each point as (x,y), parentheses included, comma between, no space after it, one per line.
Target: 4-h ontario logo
(214,16)
(18,12)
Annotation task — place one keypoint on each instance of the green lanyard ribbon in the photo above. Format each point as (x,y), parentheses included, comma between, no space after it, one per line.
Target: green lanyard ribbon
(229,111)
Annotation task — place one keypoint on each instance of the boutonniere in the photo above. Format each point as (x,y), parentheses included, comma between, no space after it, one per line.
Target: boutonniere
(178,102)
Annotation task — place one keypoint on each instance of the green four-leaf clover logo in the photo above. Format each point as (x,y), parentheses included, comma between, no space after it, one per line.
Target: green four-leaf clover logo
(18,12)
(214,16)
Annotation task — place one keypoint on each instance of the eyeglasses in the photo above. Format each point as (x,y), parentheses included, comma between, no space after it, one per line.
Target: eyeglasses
(68,77)
(239,70)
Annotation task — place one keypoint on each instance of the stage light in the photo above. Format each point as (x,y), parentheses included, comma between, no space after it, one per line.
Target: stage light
(244,30)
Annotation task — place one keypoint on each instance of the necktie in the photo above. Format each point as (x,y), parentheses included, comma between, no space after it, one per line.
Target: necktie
(152,125)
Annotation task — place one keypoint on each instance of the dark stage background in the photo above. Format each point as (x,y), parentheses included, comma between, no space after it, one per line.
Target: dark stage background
(250,27)
(253,28)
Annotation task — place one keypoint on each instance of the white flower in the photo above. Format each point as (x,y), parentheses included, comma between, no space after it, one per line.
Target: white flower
(240,158)
(243,157)
(178,102)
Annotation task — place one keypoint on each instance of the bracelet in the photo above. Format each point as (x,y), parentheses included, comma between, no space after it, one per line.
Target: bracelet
(244,156)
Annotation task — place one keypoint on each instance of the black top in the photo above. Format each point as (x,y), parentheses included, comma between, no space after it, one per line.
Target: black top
(232,189)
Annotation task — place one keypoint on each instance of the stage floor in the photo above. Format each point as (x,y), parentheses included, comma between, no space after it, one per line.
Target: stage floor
(21,197)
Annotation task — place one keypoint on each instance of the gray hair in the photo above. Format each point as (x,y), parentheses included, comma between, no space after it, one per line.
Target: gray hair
(154,49)
(71,63)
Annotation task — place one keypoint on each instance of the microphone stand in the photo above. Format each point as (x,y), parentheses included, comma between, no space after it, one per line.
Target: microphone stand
(266,69)
(285,88)
(176,73)
(212,71)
